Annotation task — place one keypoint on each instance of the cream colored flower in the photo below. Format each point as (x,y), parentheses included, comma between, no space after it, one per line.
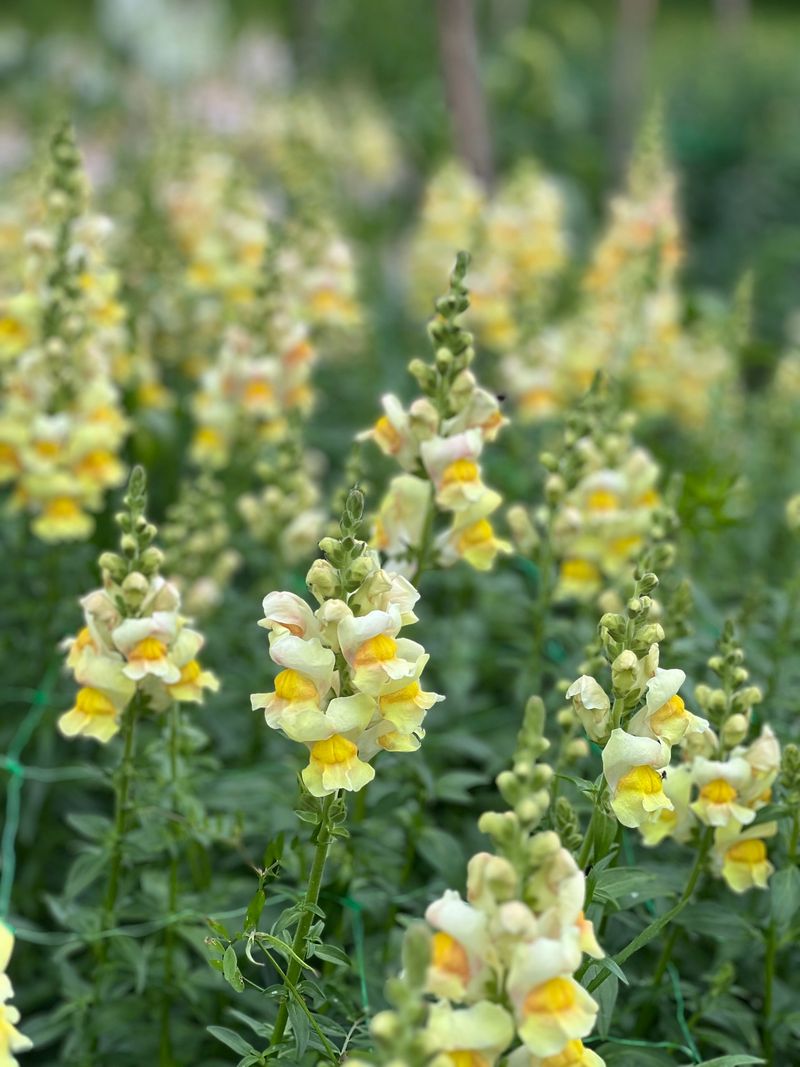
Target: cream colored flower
(632,767)
(469,1037)
(676,823)
(104,694)
(721,785)
(551,1008)
(665,715)
(288,613)
(306,679)
(574,1054)
(378,659)
(741,858)
(452,464)
(592,706)
(460,948)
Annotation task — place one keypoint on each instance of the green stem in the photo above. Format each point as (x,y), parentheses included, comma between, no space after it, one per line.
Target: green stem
(165,1045)
(657,925)
(122,789)
(424,547)
(299,944)
(542,607)
(769,985)
(587,847)
(793,836)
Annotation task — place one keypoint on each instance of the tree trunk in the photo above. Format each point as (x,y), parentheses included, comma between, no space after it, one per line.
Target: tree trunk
(466,100)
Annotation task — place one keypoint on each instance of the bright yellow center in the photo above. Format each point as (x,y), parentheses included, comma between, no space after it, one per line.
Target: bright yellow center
(258,391)
(190,673)
(579,570)
(93,702)
(474,536)
(402,696)
(385,431)
(95,463)
(461,470)
(62,507)
(624,546)
(208,437)
(571,1056)
(292,686)
(450,956)
(378,649)
(602,500)
(749,852)
(648,499)
(83,639)
(12,329)
(643,780)
(8,455)
(550,998)
(467,1059)
(334,750)
(47,449)
(718,792)
(150,648)
(673,709)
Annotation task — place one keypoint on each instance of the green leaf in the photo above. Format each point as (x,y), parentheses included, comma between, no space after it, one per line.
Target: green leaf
(616,883)
(92,827)
(712,921)
(606,997)
(254,909)
(230,969)
(611,965)
(785,895)
(233,1040)
(443,852)
(85,870)
(736,1060)
(300,1027)
(219,929)
(332,955)
(771,813)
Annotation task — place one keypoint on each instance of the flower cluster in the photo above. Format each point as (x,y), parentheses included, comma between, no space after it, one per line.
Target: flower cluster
(283,513)
(11,1040)
(134,641)
(61,425)
(221,228)
(349,685)
(721,781)
(600,500)
(501,963)
(518,238)
(629,320)
(245,397)
(197,545)
(438,442)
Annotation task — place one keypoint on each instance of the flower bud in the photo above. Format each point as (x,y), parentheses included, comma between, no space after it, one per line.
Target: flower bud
(522,529)
(322,580)
(577,749)
(151,560)
(625,672)
(735,730)
(385,1026)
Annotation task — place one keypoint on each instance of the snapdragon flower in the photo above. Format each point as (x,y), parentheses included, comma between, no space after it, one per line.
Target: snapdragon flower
(134,639)
(349,684)
(11,1040)
(61,422)
(438,441)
